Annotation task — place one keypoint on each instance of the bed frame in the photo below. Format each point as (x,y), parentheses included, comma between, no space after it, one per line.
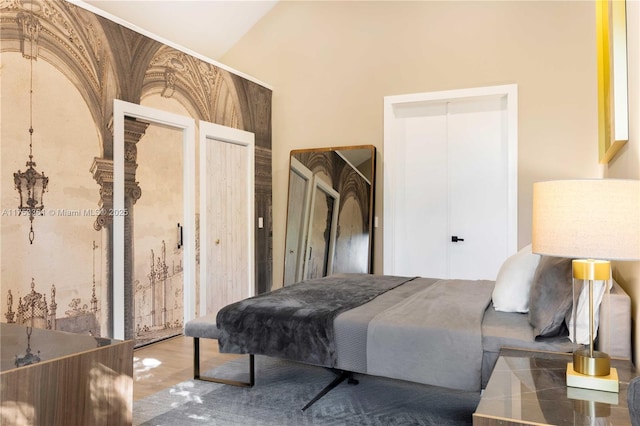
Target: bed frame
(205,327)
(615,340)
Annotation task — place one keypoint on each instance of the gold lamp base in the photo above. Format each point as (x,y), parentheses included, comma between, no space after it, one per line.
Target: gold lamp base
(591,369)
(608,383)
(595,363)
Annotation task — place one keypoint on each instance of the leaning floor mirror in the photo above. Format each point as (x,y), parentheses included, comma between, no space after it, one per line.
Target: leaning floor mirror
(329,212)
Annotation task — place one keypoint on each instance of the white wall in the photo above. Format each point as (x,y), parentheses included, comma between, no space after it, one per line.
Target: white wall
(331,63)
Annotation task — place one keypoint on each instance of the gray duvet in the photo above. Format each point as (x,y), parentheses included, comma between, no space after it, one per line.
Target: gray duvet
(449,335)
(432,337)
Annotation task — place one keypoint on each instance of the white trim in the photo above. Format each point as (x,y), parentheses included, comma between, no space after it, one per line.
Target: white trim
(187,124)
(454,94)
(169,43)
(510,92)
(237,137)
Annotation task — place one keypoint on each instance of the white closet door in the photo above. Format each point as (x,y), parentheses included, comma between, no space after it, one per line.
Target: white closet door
(226,216)
(449,171)
(420,191)
(477,180)
(186,126)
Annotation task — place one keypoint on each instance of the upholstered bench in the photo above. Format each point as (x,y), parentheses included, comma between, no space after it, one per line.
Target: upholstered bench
(205,328)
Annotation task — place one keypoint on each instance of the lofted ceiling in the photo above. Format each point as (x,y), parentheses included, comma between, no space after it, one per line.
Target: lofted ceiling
(207,27)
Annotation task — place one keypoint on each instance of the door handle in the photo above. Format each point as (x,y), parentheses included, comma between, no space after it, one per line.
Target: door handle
(455,239)
(180,243)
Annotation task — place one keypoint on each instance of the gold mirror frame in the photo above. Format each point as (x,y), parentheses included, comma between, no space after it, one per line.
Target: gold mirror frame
(345,236)
(613,110)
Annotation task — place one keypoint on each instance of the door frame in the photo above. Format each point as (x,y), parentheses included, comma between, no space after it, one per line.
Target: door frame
(188,127)
(237,137)
(392,149)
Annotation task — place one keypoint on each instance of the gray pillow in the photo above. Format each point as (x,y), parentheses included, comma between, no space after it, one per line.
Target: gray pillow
(551,296)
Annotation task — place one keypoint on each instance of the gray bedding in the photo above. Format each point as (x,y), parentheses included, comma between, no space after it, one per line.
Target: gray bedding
(499,329)
(351,326)
(441,323)
(350,329)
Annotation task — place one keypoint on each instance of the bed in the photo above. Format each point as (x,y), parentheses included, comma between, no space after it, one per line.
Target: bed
(425,330)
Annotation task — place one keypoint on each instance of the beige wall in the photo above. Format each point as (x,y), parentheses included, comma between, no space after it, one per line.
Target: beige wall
(627,163)
(331,64)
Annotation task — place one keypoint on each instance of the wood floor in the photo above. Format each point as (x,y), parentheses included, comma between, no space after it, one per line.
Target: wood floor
(166,363)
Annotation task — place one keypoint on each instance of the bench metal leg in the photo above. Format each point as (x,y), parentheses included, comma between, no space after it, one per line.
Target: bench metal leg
(341,376)
(196,369)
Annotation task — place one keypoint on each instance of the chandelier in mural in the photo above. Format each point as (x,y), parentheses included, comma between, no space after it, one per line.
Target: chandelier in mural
(30,184)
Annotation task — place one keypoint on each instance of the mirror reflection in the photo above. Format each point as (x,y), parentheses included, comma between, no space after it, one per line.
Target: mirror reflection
(329,212)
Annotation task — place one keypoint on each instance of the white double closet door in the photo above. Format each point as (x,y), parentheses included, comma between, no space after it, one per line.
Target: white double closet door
(450,183)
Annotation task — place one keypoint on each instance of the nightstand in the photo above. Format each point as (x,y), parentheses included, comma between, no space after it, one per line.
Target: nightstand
(529,387)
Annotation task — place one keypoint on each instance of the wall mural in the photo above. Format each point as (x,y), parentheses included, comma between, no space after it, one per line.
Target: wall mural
(62,67)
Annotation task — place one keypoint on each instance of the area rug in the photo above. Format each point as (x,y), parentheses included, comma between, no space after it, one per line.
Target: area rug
(282,388)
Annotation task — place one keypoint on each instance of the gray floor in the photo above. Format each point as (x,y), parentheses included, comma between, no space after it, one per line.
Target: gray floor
(283,388)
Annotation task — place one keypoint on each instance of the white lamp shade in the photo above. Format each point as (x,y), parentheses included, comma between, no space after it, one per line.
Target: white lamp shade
(589,219)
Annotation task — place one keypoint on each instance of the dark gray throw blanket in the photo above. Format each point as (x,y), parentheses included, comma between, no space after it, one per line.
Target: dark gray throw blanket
(296,322)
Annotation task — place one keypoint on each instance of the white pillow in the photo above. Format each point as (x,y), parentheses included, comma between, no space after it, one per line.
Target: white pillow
(511,292)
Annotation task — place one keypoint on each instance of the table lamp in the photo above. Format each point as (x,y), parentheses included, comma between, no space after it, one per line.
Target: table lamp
(592,221)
